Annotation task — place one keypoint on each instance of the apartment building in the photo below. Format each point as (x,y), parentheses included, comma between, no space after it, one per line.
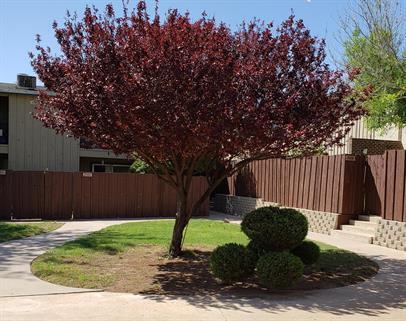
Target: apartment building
(25,144)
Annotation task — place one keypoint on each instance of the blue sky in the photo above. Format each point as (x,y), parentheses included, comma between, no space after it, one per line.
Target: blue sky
(21,20)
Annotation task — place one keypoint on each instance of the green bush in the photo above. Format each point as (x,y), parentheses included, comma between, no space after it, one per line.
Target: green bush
(140,167)
(279,270)
(308,252)
(274,228)
(255,251)
(230,263)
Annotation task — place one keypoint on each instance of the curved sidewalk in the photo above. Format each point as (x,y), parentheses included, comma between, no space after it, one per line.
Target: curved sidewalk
(16,256)
(382,297)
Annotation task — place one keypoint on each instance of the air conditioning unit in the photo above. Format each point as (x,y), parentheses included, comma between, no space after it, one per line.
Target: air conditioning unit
(25,81)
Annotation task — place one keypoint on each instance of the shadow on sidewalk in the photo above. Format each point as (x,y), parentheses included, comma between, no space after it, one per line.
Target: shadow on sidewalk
(373,297)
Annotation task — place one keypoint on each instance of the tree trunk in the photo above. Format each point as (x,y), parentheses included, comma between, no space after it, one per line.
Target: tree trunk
(181,221)
(185,212)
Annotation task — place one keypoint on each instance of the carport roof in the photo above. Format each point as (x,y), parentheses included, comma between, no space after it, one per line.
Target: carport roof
(10,88)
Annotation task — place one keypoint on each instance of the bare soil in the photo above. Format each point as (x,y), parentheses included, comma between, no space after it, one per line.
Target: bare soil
(148,270)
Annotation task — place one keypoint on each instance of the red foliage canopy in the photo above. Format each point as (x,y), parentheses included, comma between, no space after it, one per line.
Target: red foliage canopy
(177,90)
(179,93)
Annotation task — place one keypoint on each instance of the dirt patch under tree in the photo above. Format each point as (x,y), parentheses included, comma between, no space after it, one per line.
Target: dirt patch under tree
(148,270)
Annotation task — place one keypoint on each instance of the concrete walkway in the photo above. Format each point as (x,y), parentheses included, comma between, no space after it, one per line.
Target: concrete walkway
(382,297)
(16,256)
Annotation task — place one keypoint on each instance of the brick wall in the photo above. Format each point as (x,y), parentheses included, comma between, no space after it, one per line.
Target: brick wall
(373,146)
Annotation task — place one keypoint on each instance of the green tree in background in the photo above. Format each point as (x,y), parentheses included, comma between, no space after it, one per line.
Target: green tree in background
(140,167)
(205,167)
(375,54)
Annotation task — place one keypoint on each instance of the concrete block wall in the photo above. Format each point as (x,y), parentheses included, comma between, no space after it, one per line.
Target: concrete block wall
(319,222)
(391,234)
(388,233)
(236,205)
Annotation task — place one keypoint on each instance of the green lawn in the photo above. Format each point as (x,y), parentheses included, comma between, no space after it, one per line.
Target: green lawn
(93,261)
(12,231)
(118,238)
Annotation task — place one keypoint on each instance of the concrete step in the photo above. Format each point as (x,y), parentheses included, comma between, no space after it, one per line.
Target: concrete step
(365,224)
(369,218)
(358,237)
(359,229)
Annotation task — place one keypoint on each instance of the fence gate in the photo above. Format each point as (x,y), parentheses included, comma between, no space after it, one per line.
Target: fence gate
(385,185)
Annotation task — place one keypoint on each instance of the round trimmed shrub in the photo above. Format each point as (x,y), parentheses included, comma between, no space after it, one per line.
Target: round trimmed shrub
(274,228)
(279,270)
(230,263)
(308,252)
(255,251)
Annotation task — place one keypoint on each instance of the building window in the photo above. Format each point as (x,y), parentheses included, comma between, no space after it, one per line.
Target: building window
(110,168)
(87,144)
(3,161)
(3,120)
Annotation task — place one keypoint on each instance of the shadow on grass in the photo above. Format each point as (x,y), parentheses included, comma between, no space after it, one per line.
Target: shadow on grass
(336,259)
(9,231)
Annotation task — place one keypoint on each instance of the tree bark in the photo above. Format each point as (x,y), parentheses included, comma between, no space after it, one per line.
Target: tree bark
(182,218)
(185,212)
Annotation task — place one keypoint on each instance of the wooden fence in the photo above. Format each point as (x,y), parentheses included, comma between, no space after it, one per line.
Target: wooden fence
(62,195)
(322,183)
(343,184)
(385,185)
